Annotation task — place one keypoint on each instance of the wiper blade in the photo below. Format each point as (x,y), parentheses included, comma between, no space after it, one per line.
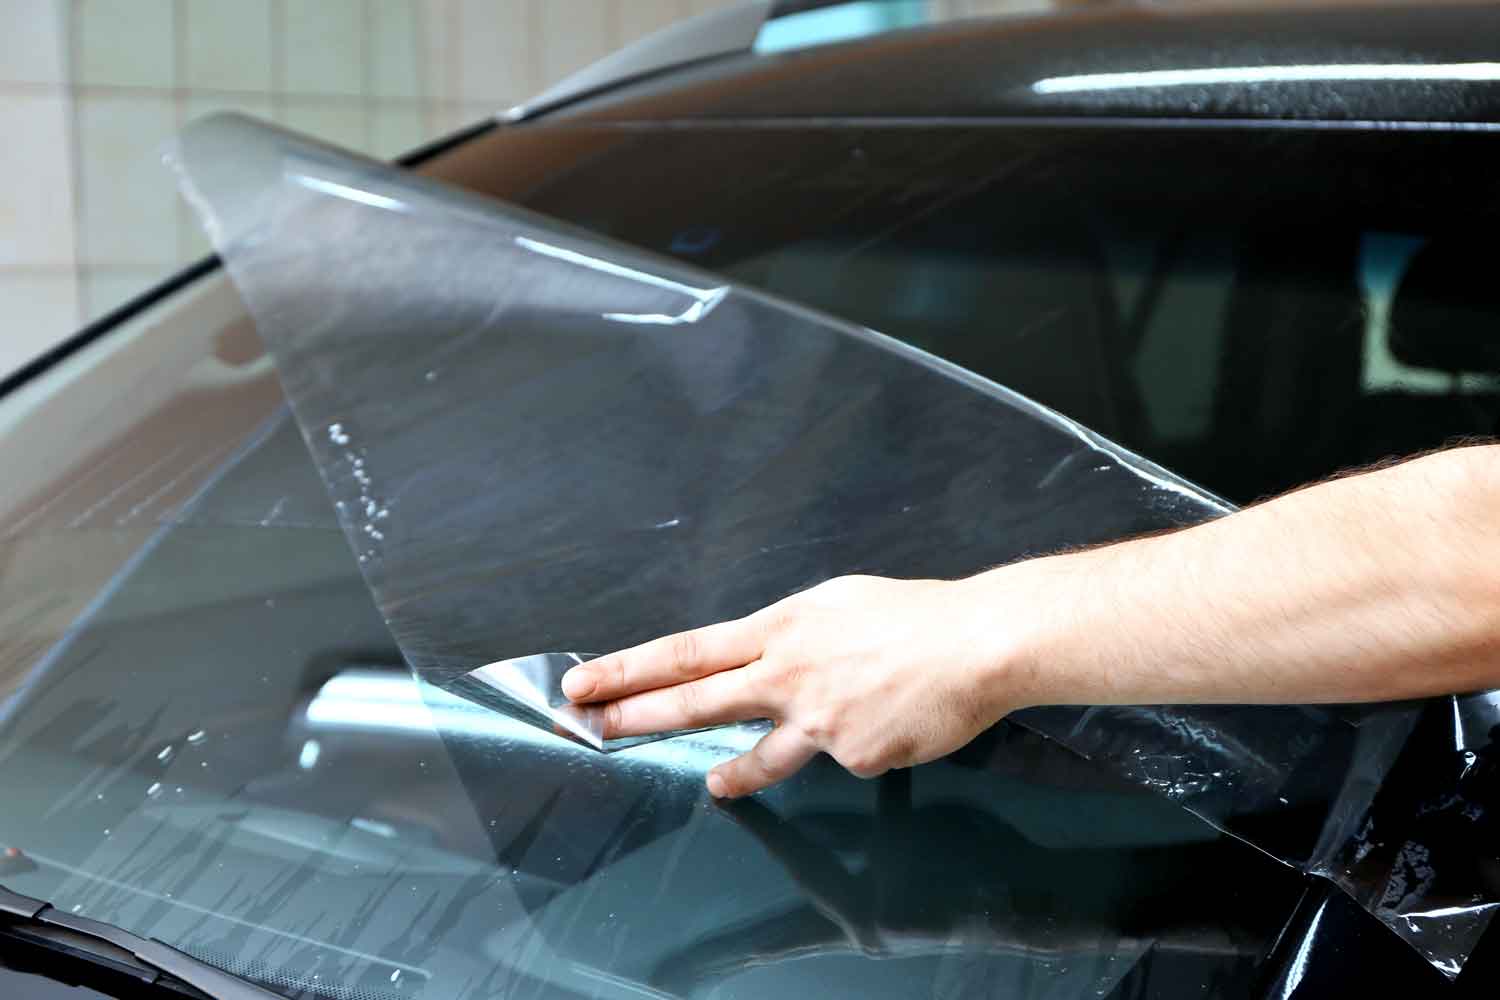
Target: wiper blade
(80,939)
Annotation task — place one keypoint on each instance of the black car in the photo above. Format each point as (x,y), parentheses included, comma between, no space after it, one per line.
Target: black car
(1248,246)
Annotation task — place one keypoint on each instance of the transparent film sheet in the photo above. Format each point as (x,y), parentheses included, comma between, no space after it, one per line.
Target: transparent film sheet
(538,441)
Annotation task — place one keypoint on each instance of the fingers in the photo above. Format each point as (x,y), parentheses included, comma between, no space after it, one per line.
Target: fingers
(729,696)
(779,755)
(686,656)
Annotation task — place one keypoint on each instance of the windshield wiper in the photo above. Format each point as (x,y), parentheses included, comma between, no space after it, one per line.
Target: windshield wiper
(75,940)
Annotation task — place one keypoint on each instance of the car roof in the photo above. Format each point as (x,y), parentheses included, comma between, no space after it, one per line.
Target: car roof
(1407,63)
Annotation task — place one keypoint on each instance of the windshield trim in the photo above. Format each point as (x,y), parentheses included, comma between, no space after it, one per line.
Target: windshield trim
(41,920)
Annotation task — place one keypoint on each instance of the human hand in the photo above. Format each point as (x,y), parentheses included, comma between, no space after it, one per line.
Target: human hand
(1317,596)
(877,673)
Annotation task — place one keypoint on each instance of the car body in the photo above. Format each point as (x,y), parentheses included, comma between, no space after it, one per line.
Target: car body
(1248,245)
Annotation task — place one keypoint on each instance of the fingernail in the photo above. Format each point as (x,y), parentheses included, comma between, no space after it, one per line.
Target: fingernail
(716,786)
(578,683)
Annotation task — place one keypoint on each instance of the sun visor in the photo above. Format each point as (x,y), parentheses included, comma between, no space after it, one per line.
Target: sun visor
(540,442)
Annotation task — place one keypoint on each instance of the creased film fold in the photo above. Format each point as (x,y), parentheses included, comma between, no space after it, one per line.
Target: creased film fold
(540,442)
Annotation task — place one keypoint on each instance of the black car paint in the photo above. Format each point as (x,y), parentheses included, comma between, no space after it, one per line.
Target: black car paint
(990,69)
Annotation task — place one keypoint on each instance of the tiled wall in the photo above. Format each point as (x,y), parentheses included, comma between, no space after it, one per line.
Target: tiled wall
(89,90)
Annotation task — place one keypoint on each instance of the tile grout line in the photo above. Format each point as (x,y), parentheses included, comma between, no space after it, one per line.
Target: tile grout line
(534,46)
(612,25)
(40,270)
(390,101)
(181,58)
(422,69)
(30,88)
(278,61)
(105,267)
(367,74)
(22,89)
(455,52)
(75,164)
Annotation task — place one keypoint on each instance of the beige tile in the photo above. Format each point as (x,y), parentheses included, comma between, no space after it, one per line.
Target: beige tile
(32,36)
(228,45)
(397,44)
(36,311)
(396,129)
(445,119)
(438,64)
(191,242)
(324,47)
(103,290)
(639,18)
(255,105)
(341,123)
(492,52)
(36,191)
(571,34)
(124,43)
(128,199)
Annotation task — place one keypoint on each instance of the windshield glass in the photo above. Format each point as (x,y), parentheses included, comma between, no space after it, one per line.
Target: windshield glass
(1253,308)
(230,756)
(210,736)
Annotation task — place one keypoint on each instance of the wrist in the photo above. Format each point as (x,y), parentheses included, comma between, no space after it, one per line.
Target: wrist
(1068,629)
(1016,633)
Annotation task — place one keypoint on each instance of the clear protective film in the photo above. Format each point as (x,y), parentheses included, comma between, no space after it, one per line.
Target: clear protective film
(540,442)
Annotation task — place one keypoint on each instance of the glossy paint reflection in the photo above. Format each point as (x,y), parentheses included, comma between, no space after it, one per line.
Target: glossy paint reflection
(1232,76)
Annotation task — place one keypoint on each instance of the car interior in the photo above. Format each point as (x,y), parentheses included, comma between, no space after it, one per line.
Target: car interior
(1251,340)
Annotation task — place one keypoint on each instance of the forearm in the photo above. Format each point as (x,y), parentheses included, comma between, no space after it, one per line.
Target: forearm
(1379,586)
(1374,587)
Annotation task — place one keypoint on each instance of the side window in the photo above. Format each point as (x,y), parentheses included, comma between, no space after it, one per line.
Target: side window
(1432,347)
(1253,308)
(1251,343)
(1181,300)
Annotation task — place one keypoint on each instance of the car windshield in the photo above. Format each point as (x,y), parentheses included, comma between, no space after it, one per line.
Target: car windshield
(209,737)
